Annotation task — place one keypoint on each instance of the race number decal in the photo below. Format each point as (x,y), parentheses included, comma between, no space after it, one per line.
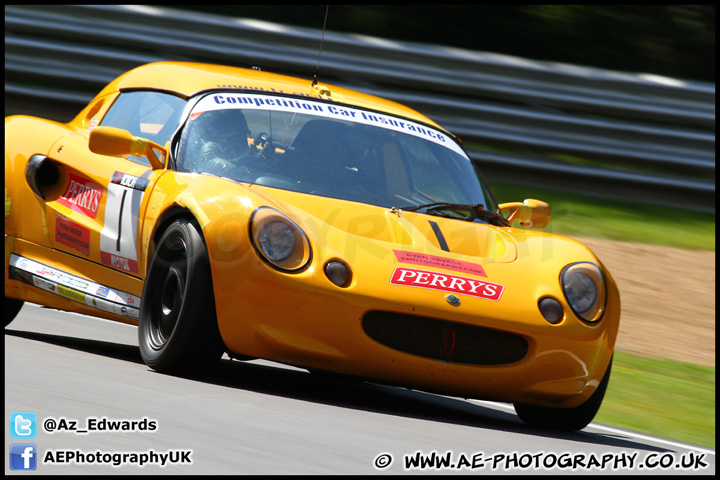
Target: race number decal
(118,239)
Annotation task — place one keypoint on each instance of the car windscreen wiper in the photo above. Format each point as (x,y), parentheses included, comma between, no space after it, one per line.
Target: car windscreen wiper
(474,211)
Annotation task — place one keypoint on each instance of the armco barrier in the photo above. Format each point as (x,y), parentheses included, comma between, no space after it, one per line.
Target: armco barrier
(627,136)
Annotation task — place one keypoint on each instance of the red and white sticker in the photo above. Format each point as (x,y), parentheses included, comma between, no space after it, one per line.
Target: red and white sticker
(426,260)
(446,282)
(72,235)
(82,195)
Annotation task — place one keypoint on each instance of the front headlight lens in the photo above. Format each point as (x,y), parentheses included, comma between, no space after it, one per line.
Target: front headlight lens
(584,289)
(279,240)
(580,291)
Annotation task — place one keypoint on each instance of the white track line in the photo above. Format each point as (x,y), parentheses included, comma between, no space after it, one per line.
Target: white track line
(510,408)
(613,430)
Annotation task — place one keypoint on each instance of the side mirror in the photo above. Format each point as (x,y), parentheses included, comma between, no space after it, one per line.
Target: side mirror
(116,142)
(530,213)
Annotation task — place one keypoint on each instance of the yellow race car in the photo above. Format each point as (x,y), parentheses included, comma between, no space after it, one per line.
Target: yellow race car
(230,210)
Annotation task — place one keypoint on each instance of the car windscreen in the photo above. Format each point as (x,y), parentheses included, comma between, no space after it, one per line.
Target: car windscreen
(328,150)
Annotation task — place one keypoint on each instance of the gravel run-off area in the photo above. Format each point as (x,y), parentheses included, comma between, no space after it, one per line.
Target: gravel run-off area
(667,297)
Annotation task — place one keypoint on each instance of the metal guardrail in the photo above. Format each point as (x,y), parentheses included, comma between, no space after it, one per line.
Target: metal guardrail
(524,121)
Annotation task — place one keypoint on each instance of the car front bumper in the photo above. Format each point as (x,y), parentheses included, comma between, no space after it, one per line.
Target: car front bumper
(413,337)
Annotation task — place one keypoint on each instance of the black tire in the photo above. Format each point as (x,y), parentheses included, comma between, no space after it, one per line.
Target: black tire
(565,419)
(12,308)
(177,331)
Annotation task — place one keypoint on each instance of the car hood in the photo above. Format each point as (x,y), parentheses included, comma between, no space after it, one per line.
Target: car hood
(345,225)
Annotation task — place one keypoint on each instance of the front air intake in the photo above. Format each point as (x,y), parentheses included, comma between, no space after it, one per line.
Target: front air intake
(43,176)
(443,340)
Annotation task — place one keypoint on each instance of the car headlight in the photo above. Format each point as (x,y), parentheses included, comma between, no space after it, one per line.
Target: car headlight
(584,289)
(279,240)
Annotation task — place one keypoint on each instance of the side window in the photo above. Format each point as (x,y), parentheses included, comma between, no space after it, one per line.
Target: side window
(151,115)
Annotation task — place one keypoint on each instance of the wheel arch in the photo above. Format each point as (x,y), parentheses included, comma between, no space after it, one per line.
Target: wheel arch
(170,215)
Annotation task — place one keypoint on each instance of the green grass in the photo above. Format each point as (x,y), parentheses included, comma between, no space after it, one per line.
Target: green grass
(665,398)
(589,216)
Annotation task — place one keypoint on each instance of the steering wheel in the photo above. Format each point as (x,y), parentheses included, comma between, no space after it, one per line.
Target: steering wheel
(264,146)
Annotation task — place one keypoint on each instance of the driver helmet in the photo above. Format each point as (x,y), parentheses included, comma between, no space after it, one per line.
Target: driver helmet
(217,137)
(227,129)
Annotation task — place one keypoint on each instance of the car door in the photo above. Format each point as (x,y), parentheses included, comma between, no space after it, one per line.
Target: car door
(99,215)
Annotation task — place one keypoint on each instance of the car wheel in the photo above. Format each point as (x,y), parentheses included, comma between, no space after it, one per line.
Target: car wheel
(177,331)
(12,308)
(565,419)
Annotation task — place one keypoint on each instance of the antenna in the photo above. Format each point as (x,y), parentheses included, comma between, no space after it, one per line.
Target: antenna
(317,69)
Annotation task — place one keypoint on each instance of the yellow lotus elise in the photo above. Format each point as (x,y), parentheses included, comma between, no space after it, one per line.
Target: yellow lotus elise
(230,210)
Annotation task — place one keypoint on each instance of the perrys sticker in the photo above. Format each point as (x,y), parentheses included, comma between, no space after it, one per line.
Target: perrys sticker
(82,195)
(446,282)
